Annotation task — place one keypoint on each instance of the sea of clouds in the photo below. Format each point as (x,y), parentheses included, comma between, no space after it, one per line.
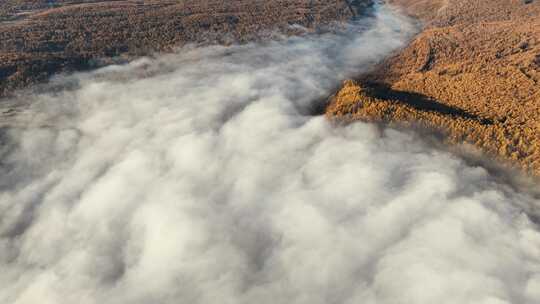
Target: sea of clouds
(202,177)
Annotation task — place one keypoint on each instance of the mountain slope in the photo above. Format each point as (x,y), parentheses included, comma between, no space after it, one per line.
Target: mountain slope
(41,37)
(478,57)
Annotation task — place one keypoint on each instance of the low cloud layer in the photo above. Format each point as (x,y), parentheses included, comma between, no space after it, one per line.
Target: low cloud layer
(199,177)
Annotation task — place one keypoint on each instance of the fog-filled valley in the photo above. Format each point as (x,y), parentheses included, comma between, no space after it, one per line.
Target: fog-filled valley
(205,176)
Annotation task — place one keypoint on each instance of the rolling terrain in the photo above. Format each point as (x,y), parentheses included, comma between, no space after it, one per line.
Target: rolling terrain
(473,74)
(207,175)
(40,38)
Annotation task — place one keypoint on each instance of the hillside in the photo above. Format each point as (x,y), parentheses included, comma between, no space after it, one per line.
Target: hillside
(41,37)
(473,74)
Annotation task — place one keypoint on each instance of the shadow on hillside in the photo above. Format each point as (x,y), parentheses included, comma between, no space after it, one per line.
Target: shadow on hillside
(421,102)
